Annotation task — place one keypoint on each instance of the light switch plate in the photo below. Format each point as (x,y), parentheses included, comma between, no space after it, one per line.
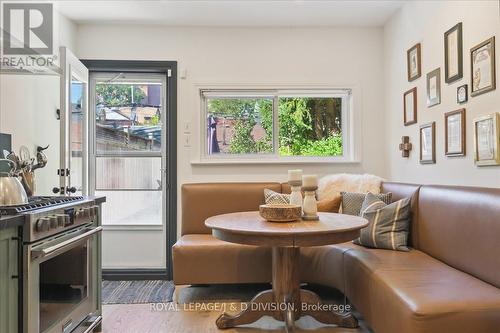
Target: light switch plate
(187,140)
(187,127)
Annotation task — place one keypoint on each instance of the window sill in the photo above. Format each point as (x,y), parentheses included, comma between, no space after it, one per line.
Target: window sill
(217,161)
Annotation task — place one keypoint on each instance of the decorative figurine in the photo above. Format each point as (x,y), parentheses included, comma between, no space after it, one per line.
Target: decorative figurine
(310,206)
(405,146)
(295,182)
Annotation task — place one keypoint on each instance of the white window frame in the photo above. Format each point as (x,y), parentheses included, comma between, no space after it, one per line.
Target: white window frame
(349,151)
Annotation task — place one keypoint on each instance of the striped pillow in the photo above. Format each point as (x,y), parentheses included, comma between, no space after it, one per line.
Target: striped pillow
(352,201)
(389,224)
(275,198)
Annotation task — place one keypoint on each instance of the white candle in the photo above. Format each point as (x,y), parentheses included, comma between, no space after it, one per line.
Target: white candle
(294,175)
(310,181)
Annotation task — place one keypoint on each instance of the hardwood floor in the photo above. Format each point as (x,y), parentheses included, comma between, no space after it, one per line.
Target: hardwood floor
(140,318)
(166,318)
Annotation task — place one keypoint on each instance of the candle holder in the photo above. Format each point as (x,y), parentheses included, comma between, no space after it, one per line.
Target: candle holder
(310,206)
(296,195)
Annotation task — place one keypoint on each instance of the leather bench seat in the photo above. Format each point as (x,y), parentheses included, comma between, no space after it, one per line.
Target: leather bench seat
(203,259)
(448,282)
(412,292)
(324,265)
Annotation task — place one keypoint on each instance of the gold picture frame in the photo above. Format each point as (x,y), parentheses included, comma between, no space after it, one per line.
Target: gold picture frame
(487,140)
(482,67)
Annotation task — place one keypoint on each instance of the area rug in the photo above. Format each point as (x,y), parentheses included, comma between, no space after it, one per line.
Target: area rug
(137,292)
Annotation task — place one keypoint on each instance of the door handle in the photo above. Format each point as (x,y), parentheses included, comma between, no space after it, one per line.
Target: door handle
(51,249)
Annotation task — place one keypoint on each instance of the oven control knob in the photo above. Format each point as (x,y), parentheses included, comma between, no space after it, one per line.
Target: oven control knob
(53,222)
(43,224)
(91,212)
(61,220)
(96,210)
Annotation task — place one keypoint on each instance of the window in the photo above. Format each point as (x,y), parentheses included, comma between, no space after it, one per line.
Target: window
(128,136)
(275,125)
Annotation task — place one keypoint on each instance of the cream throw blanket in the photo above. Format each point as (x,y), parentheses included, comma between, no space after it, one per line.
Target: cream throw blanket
(330,186)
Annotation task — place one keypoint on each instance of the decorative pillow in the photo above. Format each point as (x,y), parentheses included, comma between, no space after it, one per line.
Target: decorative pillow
(352,202)
(330,205)
(389,224)
(275,198)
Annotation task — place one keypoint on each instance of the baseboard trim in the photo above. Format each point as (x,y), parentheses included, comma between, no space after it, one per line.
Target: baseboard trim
(134,274)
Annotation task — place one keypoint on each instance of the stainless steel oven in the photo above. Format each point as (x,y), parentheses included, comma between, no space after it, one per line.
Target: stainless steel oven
(60,270)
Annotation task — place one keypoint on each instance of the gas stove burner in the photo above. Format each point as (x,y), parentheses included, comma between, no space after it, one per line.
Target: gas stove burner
(38,203)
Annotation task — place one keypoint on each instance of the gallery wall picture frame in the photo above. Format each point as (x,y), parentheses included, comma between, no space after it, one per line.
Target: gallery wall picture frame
(453,54)
(487,140)
(482,67)
(414,62)
(428,143)
(454,133)
(434,87)
(462,94)
(410,107)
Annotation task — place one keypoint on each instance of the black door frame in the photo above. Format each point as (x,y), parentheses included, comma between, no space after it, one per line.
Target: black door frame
(169,68)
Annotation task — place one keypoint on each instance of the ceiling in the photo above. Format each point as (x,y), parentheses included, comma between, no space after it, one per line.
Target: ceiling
(244,13)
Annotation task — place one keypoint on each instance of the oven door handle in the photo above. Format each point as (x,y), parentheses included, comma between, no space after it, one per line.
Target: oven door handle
(51,249)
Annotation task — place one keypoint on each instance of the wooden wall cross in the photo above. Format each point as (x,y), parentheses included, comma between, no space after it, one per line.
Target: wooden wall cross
(405,146)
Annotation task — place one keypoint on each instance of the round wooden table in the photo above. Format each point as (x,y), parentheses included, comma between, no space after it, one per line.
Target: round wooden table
(286,301)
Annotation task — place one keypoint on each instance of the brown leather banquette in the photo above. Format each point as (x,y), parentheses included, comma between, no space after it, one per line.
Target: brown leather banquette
(448,282)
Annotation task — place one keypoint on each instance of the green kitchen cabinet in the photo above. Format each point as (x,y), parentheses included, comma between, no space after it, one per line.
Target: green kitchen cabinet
(9,280)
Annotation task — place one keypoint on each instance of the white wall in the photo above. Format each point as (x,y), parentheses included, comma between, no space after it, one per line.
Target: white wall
(426,22)
(253,56)
(28,105)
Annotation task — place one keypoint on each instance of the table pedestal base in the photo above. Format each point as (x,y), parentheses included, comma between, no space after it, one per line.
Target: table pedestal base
(286,301)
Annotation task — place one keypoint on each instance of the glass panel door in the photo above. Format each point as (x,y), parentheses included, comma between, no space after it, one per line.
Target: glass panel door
(74,126)
(77,130)
(128,131)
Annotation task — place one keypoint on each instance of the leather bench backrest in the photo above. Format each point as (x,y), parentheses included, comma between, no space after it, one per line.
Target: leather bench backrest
(203,200)
(461,227)
(401,191)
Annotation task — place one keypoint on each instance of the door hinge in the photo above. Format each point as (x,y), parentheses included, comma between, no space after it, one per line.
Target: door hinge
(169,73)
(63,172)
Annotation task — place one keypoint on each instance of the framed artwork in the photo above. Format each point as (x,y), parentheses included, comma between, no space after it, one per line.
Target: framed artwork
(487,140)
(428,143)
(453,54)
(410,107)
(482,66)
(454,133)
(434,87)
(462,94)
(414,62)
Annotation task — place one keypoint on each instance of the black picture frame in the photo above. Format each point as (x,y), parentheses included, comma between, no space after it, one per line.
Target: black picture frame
(460,54)
(466,97)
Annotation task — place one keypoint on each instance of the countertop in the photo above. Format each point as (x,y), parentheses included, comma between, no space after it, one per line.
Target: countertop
(11,221)
(98,199)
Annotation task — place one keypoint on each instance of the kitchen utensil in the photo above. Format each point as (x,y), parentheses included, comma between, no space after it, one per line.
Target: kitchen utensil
(11,190)
(28,182)
(41,158)
(15,168)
